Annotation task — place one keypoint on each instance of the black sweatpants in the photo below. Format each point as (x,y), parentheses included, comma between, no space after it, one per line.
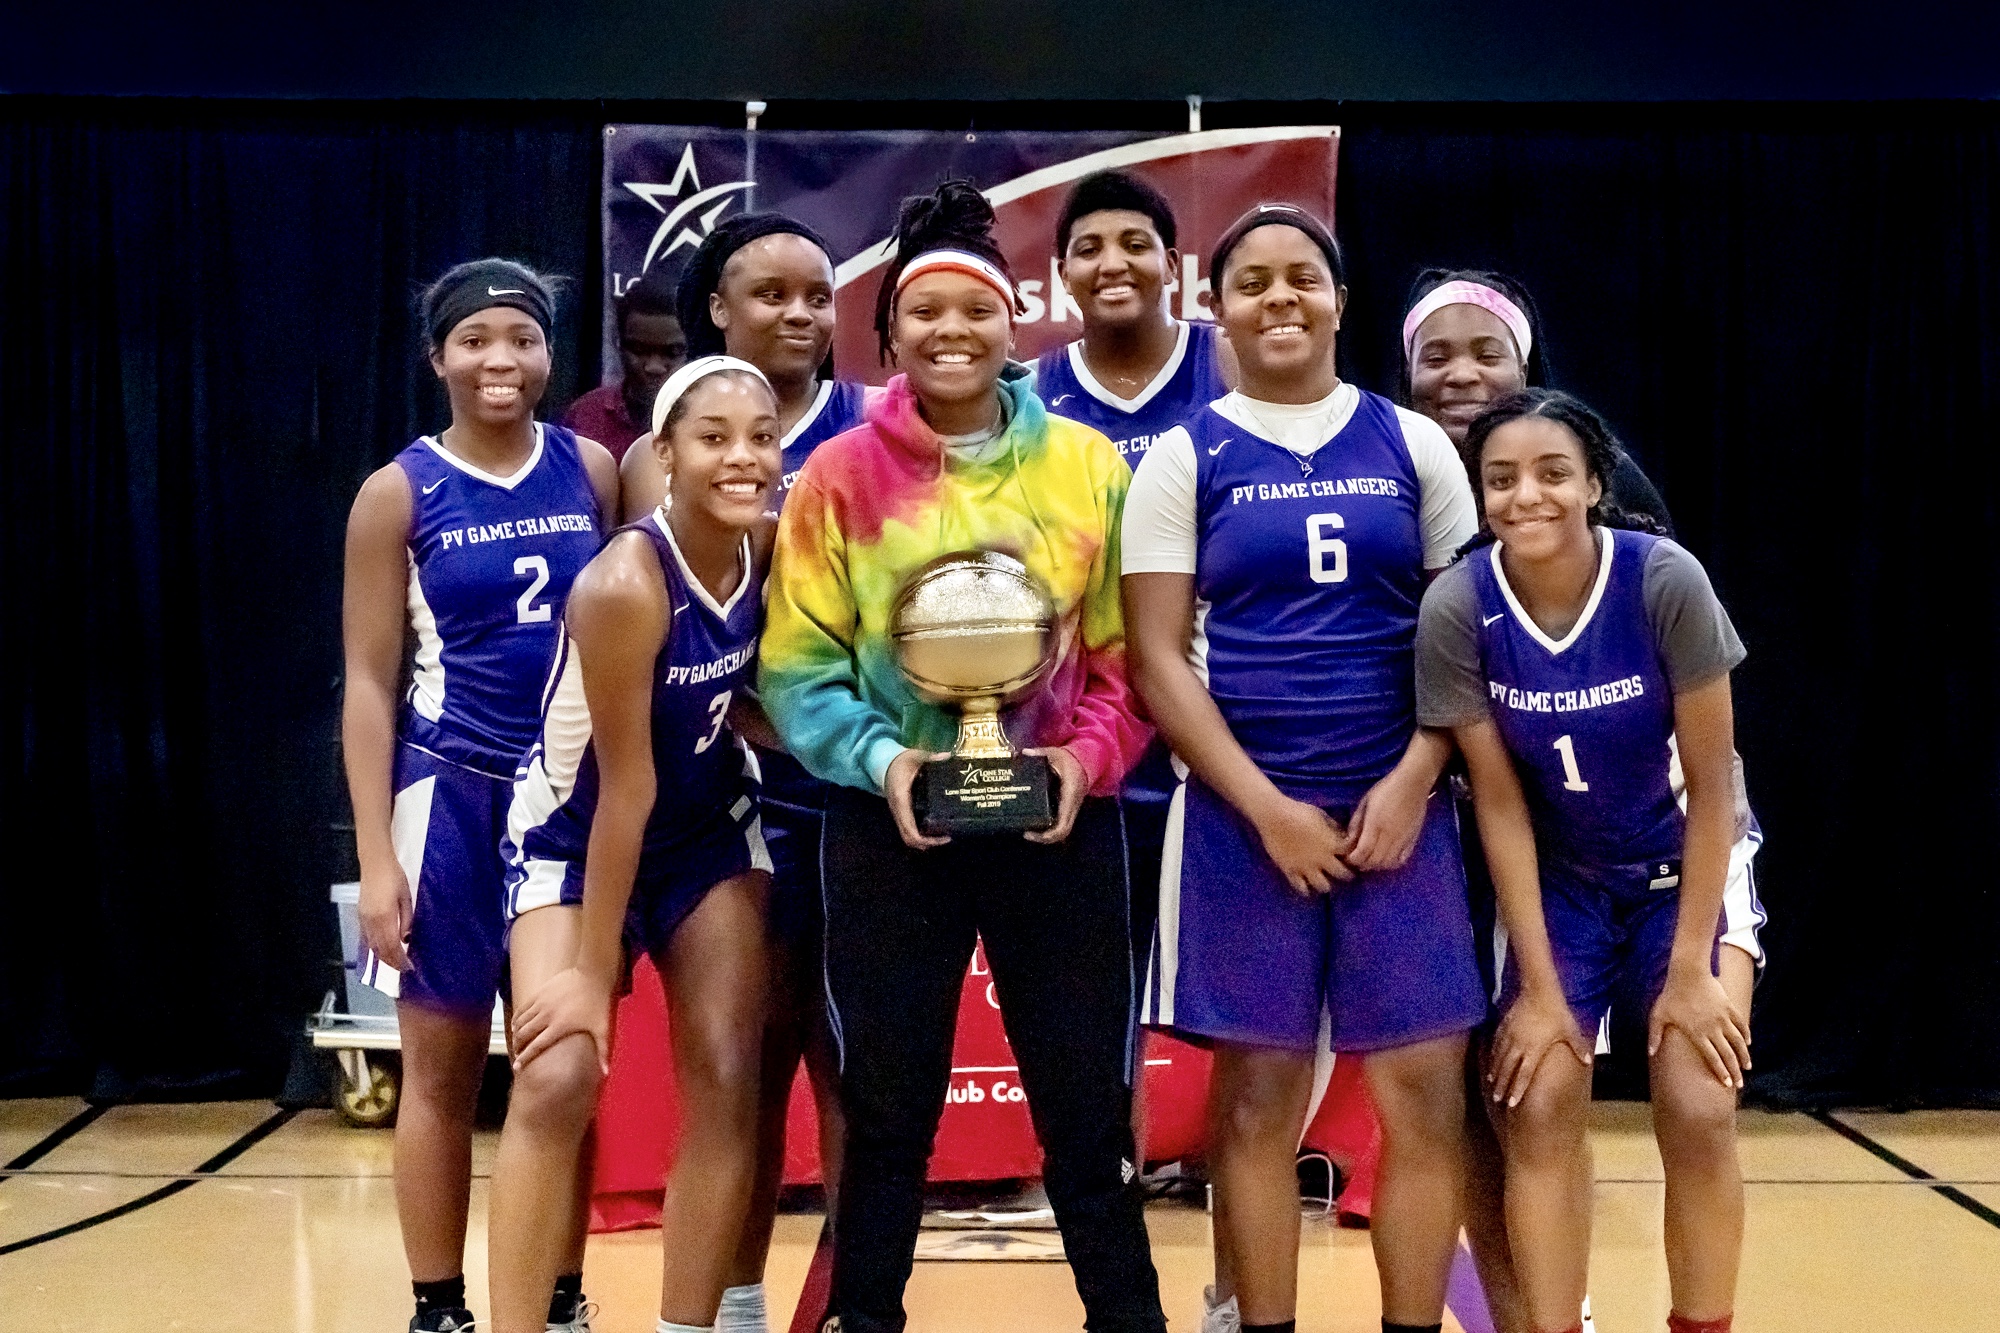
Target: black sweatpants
(899,935)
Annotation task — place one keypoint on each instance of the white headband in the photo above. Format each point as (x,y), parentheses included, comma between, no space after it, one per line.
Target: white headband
(958,261)
(686,378)
(1468,293)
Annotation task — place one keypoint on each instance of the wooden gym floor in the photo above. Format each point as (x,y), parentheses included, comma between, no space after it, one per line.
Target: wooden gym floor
(229,1217)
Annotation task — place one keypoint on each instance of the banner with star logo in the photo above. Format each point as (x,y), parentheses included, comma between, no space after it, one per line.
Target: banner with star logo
(666,187)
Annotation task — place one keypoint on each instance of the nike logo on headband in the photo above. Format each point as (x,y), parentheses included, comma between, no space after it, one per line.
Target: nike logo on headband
(505,291)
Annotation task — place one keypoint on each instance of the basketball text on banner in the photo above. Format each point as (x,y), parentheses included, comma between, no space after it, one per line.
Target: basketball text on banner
(666,187)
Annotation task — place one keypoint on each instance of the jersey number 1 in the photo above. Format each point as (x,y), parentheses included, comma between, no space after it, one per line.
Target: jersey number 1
(530,614)
(1572,780)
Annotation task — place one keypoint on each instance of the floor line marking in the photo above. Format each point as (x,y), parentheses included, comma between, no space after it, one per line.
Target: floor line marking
(56,1137)
(277,1121)
(1907,1167)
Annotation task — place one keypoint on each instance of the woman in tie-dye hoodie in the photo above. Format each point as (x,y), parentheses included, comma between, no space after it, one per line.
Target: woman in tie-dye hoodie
(955,457)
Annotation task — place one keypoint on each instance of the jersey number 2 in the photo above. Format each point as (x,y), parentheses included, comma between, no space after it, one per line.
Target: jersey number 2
(530,614)
(1319,546)
(1572,780)
(718,708)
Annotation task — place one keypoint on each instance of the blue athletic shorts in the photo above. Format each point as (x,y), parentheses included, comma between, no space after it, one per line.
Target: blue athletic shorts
(671,882)
(1612,935)
(792,805)
(1243,957)
(446,825)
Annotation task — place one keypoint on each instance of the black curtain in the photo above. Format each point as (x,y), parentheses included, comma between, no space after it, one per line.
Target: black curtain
(206,343)
(1789,314)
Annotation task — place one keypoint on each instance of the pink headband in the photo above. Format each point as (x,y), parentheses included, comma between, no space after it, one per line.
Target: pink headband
(1467,293)
(958,261)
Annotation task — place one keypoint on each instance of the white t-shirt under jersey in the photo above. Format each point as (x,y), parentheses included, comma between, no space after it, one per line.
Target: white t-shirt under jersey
(1160,533)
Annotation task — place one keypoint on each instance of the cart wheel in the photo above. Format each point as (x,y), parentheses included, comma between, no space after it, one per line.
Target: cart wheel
(368,1091)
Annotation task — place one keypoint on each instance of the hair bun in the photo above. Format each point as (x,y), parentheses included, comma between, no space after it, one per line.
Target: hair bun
(954,212)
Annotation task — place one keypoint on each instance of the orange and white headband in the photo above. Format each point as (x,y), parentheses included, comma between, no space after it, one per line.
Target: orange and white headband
(957,261)
(1468,293)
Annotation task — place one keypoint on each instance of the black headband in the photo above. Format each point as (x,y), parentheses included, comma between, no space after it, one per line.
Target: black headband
(703,274)
(1278,215)
(483,285)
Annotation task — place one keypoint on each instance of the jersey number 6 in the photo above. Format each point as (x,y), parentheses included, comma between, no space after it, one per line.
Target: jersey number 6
(1319,546)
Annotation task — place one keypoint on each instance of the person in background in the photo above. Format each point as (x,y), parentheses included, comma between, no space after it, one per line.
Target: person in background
(1134,374)
(651,347)
(761,288)
(1471,336)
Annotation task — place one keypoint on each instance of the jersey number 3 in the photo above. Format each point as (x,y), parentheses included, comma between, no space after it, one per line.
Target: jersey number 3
(530,614)
(1326,556)
(718,709)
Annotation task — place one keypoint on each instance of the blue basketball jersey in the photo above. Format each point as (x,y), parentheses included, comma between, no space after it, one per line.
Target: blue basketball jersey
(699,765)
(1589,719)
(837,408)
(491,561)
(1190,380)
(840,407)
(1308,574)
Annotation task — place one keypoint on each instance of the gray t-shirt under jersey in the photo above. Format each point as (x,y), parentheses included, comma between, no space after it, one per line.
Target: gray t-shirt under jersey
(1696,641)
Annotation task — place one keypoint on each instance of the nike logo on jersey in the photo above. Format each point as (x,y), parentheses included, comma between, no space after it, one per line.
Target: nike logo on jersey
(1490,619)
(1058,402)
(505,291)
(1218,448)
(434,485)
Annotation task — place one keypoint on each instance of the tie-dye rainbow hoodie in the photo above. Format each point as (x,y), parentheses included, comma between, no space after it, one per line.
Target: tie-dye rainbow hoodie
(872,506)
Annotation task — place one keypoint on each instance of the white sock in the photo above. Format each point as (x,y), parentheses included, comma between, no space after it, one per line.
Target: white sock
(742,1310)
(666,1326)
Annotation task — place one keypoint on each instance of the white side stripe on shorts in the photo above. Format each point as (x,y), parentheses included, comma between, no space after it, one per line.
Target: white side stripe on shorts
(1167,966)
(409,833)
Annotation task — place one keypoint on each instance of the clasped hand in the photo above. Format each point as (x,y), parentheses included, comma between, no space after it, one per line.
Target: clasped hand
(1314,852)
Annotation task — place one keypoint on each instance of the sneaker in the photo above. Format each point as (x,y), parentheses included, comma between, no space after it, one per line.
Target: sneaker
(579,1322)
(1222,1317)
(449,1320)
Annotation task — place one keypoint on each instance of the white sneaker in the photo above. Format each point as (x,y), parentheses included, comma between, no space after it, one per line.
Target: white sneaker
(580,1324)
(1223,1317)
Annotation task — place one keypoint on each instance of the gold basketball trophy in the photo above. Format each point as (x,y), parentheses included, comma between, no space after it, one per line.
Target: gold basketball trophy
(976,631)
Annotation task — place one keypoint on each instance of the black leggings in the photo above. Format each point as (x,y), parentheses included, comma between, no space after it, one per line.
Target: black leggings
(899,935)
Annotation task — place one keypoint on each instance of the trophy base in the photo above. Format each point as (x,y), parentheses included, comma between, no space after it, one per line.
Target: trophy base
(1010,795)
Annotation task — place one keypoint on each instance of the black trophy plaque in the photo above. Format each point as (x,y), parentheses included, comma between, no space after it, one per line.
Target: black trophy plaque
(984,788)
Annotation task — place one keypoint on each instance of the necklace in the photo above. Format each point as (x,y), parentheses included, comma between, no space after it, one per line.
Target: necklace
(1319,425)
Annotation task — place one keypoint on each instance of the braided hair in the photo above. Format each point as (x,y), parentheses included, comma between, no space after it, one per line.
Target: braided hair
(956,216)
(703,275)
(1592,432)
